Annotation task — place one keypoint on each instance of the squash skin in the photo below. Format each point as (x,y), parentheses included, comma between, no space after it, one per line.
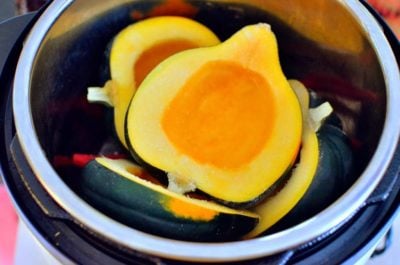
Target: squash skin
(274,208)
(342,152)
(144,207)
(134,41)
(271,191)
(165,157)
(331,178)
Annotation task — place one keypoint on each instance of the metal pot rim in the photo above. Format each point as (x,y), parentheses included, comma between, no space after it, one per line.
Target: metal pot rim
(322,223)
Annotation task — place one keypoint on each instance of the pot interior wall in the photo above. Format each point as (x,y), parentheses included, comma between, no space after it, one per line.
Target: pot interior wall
(312,46)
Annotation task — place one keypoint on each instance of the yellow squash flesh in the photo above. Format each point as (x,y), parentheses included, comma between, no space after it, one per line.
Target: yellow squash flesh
(222,117)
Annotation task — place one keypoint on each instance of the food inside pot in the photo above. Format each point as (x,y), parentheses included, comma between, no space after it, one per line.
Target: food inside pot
(137,49)
(218,144)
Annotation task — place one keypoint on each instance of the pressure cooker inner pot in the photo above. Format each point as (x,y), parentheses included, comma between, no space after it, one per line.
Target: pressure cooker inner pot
(321,43)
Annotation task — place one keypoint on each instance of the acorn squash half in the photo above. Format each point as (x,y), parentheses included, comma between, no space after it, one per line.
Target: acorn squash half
(137,49)
(223,117)
(117,188)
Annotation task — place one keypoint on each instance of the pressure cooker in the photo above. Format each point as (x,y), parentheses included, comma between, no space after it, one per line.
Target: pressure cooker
(50,57)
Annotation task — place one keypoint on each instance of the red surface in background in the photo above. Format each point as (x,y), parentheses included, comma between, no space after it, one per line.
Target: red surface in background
(390,10)
(8,228)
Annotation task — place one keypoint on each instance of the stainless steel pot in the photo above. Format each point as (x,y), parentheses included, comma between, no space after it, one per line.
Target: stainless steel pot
(62,53)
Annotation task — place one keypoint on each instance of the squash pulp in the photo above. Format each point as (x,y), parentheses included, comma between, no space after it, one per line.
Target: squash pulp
(222,117)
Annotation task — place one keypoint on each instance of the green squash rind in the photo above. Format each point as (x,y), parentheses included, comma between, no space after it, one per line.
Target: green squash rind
(333,177)
(143,208)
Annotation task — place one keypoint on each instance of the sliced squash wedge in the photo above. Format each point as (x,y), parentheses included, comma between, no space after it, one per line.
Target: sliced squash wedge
(137,49)
(333,177)
(223,117)
(117,188)
(276,207)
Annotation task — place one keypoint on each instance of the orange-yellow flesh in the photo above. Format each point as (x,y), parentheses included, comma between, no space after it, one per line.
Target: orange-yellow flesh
(151,57)
(222,115)
(188,210)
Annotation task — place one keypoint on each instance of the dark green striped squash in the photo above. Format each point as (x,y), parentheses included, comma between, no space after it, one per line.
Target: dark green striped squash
(333,177)
(114,187)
